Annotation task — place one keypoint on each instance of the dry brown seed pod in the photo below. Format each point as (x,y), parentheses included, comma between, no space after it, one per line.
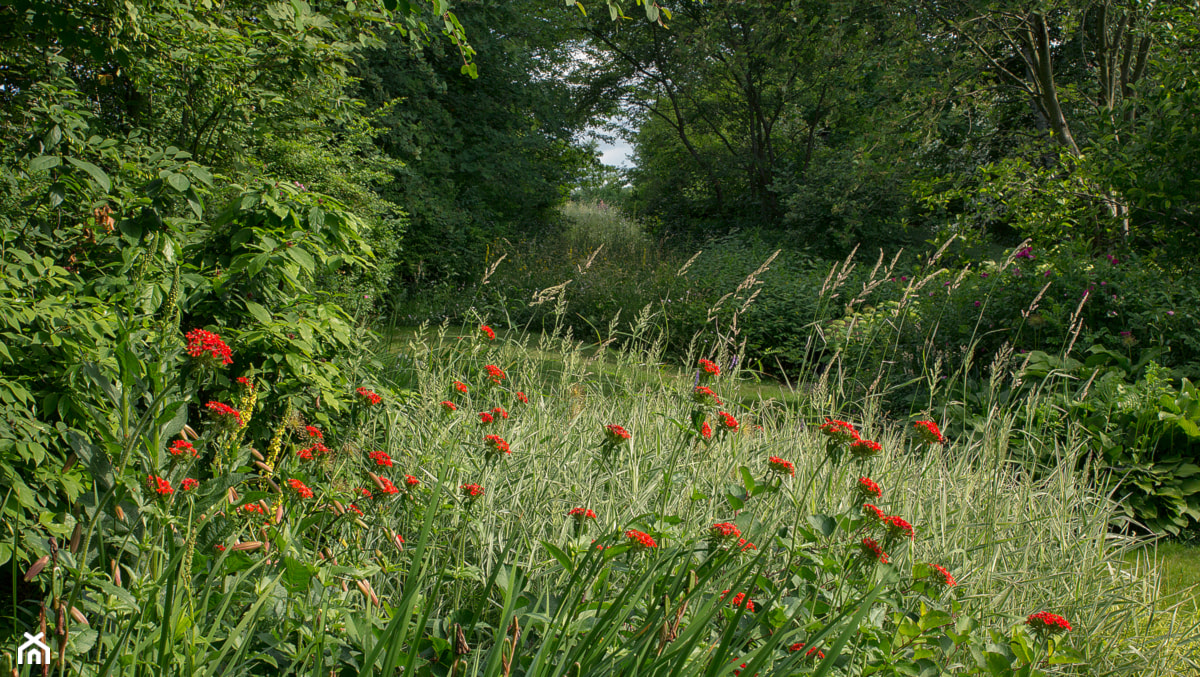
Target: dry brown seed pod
(79,617)
(188,432)
(37,567)
(248,546)
(120,513)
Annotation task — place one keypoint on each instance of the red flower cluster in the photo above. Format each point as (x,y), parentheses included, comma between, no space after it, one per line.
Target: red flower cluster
(947,579)
(813,651)
(927,432)
(388,488)
(159,485)
(460,387)
(738,600)
(706,431)
(724,530)
(253,509)
(1045,621)
(705,395)
(355,509)
(496,444)
(488,332)
(449,406)
(868,487)
(872,511)
(710,368)
(224,413)
(500,411)
(865,448)
(181,447)
(581,514)
(873,550)
(369,395)
(381,458)
(728,421)
(205,344)
(188,484)
(246,382)
(522,397)
(615,434)
(495,373)
(485,417)
(411,481)
(781,466)
(314,431)
(746,545)
(897,526)
(311,452)
(640,539)
(471,490)
(300,488)
(839,431)
(365,493)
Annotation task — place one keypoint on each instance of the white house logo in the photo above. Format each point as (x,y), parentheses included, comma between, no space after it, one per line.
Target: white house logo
(34,651)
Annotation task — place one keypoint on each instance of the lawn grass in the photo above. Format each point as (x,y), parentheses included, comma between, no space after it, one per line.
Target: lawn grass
(1177,566)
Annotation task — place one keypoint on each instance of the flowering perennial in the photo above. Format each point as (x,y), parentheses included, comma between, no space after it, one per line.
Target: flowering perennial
(778,465)
(746,545)
(411,481)
(314,431)
(946,579)
(449,406)
(381,458)
(710,368)
(581,514)
(728,422)
(865,448)
(1044,621)
(496,444)
(499,411)
(640,539)
(181,447)
(813,651)
(615,434)
(485,417)
(706,431)
(369,395)
(927,432)
(300,488)
(870,511)
(311,452)
(724,530)
(867,487)
(840,432)
(224,414)
(738,600)
(460,387)
(387,487)
(488,332)
(471,490)
(247,383)
(705,395)
(208,346)
(159,485)
(495,373)
(522,397)
(188,484)
(897,526)
(872,549)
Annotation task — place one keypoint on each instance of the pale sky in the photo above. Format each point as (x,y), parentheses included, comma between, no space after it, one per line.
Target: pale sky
(616,154)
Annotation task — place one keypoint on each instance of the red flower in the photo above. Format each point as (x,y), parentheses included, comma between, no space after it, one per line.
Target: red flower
(724,530)
(581,514)
(365,493)
(927,432)
(460,387)
(411,481)
(449,406)
(308,454)
(181,447)
(1045,621)
(488,332)
(299,487)
(381,458)
(897,526)
(522,397)
(868,487)
(728,421)
(710,368)
(799,646)
(495,373)
(706,431)
(388,488)
(705,395)
(496,444)
(781,466)
(615,434)
(865,448)
(485,417)
(354,508)
(871,511)
(253,508)
(472,490)
(219,547)
(369,395)
(246,382)
(499,411)
(188,484)
(947,579)
(839,431)
(746,545)
(209,346)
(159,485)
(314,431)
(738,599)
(225,414)
(873,550)
(640,539)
